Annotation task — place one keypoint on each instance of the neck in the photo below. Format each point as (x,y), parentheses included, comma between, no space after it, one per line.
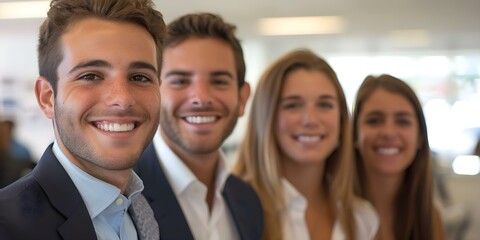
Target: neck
(205,171)
(382,192)
(203,166)
(306,178)
(117,178)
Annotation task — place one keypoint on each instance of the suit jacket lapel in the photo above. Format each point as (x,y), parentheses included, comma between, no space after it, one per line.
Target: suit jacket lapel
(168,213)
(245,209)
(64,196)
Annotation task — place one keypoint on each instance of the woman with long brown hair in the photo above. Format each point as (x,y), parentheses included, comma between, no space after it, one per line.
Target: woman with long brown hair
(393,159)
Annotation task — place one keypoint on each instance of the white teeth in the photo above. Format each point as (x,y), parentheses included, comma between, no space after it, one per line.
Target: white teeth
(388,151)
(308,138)
(116,127)
(199,119)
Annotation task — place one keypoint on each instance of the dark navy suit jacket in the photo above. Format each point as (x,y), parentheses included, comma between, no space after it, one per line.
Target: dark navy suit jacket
(45,204)
(242,201)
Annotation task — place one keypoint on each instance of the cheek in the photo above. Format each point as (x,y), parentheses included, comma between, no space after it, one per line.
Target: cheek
(229,100)
(362,140)
(282,123)
(332,123)
(167,100)
(151,98)
(335,124)
(413,139)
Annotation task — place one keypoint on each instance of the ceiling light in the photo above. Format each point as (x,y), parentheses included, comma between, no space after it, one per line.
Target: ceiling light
(301,25)
(18,10)
(409,38)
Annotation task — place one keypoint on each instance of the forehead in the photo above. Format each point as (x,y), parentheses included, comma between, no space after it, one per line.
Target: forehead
(91,37)
(308,82)
(387,101)
(202,54)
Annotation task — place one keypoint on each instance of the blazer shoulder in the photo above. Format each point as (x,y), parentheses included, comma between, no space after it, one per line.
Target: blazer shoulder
(234,182)
(17,189)
(22,205)
(245,207)
(239,192)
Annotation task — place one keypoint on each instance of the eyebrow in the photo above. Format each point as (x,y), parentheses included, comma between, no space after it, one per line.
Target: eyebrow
(397,114)
(221,73)
(105,64)
(142,65)
(92,63)
(178,73)
(189,73)
(403,114)
(321,97)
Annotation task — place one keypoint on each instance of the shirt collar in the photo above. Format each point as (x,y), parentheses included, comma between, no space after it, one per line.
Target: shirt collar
(90,187)
(294,200)
(178,174)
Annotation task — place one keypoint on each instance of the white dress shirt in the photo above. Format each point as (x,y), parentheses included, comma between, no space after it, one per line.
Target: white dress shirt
(294,226)
(191,194)
(107,207)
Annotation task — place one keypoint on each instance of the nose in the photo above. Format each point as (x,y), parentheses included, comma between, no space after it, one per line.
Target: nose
(201,94)
(388,129)
(310,117)
(119,93)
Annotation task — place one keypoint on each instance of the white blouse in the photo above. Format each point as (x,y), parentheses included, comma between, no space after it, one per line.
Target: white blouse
(295,227)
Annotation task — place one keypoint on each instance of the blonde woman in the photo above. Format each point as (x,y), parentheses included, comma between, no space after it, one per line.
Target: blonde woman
(393,159)
(297,154)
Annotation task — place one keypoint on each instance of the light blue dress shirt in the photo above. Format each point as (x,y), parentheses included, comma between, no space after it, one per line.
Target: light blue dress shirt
(108,208)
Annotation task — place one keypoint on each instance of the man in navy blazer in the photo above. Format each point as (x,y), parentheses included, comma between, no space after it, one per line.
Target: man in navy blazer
(184,171)
(99,67)
(45,205)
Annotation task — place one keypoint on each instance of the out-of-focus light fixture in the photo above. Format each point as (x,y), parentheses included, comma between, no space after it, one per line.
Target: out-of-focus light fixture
(409,38)
(301,25)
(466,165)
(19,10)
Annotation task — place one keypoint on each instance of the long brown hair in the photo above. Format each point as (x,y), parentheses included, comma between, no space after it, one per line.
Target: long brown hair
(413,216)
(259,155)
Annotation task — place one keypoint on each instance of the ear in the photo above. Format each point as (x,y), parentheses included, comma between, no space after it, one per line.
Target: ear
(244,94)
(45,96)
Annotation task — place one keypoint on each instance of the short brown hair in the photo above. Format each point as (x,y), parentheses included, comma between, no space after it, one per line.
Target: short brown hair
(63,13)
(207,25)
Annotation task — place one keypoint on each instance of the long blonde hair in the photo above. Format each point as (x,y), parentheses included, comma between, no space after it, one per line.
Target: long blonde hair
(259,155)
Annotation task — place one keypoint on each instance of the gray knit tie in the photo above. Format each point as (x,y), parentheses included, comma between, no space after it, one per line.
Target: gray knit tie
(142,215)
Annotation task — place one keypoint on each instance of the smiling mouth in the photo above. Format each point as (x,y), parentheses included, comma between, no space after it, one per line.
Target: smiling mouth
(115,127)
(308,138)
(200,119)
(388,151)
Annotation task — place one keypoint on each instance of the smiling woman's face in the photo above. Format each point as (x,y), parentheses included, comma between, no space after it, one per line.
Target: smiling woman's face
(388,133)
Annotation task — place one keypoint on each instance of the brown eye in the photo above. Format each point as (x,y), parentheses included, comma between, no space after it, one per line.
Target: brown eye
(89,76)
(140,78)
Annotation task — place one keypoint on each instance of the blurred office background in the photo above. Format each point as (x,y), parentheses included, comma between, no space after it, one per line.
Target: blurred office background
(432,44)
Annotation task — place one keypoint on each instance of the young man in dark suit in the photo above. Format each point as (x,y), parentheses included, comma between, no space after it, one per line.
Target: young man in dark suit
(203,93)
(99,64)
